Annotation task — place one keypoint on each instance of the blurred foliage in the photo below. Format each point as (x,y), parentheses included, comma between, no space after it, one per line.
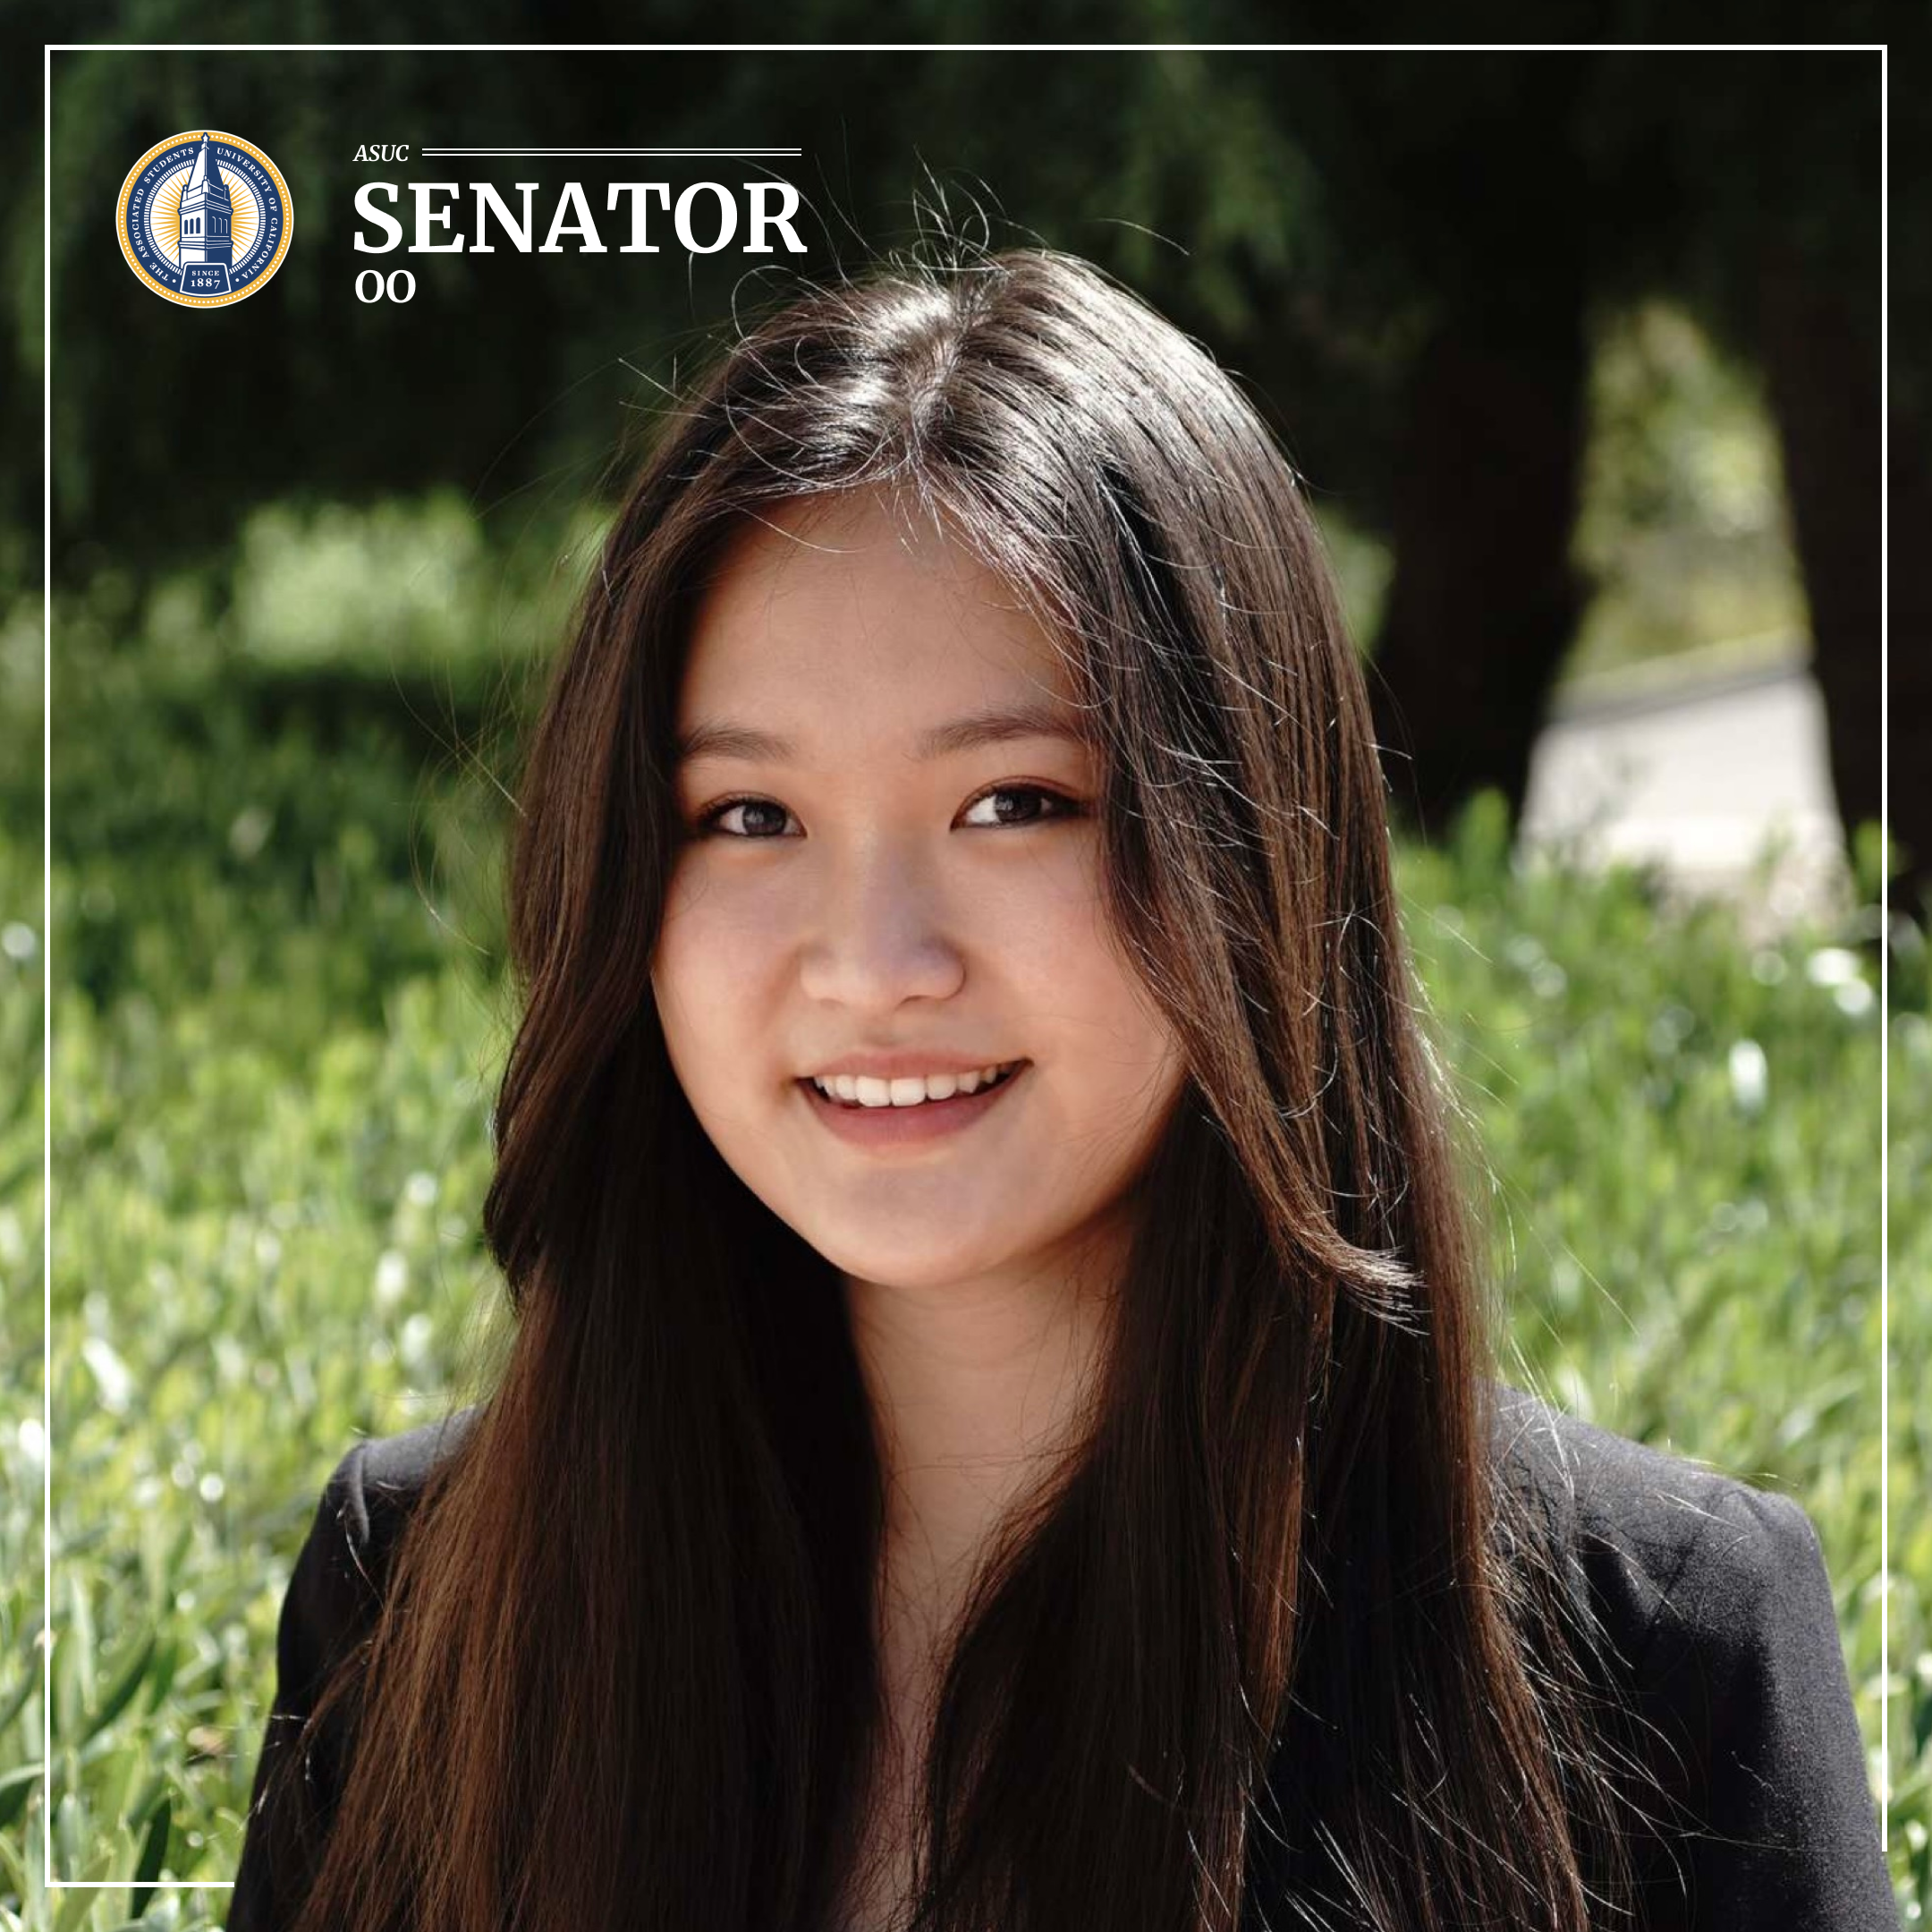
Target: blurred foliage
(1683,529)
(1909,1053)
(320,733)
(281,790)
(21,1287)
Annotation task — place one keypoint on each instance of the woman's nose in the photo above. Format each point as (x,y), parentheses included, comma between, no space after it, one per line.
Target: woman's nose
(882,935)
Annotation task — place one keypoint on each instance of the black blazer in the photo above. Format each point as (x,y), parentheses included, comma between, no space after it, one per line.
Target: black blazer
(1713,1594)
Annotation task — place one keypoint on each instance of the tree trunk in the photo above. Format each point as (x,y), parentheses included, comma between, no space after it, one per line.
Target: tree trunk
(1821,357)
(1909,659)
(1484,602)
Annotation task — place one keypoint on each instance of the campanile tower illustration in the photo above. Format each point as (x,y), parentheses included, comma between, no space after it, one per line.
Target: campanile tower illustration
(207,214)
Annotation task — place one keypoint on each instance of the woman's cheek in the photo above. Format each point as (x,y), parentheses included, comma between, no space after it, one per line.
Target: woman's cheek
(697,978)
(720,931)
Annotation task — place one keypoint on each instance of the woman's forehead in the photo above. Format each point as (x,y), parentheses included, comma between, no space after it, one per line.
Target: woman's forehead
(850,603)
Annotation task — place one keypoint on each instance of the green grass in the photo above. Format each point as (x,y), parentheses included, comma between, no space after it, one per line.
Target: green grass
(278,1012)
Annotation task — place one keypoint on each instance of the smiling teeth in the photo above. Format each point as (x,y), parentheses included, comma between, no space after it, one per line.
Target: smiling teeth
(862,1089)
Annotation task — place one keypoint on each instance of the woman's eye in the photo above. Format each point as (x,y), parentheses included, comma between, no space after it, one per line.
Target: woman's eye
(1059,806)
(764,818)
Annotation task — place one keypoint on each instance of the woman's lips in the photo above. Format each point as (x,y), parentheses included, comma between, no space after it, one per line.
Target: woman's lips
(909,1126)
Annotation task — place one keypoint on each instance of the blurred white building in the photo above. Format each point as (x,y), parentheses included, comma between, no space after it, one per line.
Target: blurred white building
(1717,772)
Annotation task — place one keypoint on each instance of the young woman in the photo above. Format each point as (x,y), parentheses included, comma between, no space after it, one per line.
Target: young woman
(999,1432)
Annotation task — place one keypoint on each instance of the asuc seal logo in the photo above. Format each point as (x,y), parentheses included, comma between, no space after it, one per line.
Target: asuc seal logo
(204,219)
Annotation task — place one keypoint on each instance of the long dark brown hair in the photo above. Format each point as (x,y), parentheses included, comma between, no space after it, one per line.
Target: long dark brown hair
(1275,1629)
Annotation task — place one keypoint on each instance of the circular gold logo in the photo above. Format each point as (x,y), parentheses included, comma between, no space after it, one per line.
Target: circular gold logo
(205,218)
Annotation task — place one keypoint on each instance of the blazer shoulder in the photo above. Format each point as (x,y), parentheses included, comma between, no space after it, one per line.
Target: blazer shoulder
(1664,1542)
(376,1484)
(331,1607)
(340,1572)
(1724,1644)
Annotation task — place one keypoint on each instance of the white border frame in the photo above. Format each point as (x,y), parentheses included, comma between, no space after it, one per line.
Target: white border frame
(48,1634)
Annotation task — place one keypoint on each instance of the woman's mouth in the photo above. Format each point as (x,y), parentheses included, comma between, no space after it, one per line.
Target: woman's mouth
(882,1113)
(846,1089)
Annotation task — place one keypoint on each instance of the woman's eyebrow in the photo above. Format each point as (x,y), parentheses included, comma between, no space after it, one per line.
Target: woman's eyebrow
(995,724)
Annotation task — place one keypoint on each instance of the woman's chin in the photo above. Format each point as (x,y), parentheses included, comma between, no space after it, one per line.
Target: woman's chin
(928,1262)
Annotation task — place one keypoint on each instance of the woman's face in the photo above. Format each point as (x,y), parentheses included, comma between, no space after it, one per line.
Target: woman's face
(897,884)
